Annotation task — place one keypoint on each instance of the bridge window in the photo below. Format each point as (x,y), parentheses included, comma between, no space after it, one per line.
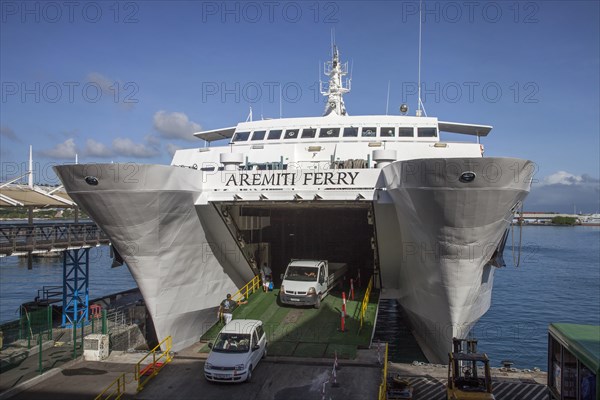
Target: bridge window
(258,135)
(388,132)
(369,132)
(350,132)
(291,134)
(273,135)
(329,132)
(309,133)
(241,136)
(406,132)
(427,132)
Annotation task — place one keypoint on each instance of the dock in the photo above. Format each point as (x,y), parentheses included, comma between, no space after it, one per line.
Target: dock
(303,343)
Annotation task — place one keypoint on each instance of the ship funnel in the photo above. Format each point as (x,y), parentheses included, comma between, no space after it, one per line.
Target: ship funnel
(384,158)
(231,161)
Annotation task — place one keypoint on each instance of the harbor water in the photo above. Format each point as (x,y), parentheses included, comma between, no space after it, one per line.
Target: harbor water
(19,285)
(558,280)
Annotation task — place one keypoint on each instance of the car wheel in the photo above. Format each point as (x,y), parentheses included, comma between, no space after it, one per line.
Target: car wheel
(318,302)
(249,377)
(264,353)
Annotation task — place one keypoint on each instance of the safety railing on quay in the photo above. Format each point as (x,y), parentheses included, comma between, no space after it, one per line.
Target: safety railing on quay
(116,389)
(247,289)
(150,370)
(383,385)
(365,304)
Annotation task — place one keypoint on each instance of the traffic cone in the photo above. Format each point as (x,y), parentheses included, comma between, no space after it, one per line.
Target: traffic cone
(342,323)
(344,304)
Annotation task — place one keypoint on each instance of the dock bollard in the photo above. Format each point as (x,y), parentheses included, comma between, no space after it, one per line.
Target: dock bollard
(344,304)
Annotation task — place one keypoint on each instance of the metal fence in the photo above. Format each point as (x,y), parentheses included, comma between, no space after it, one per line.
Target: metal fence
(28,327)
(33,335)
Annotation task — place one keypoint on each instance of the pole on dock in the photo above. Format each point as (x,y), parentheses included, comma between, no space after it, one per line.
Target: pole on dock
(352,289)
(49,322)
(342,322)
(74,341)
(335,383)
(104,327)
(40,352)
(344,304)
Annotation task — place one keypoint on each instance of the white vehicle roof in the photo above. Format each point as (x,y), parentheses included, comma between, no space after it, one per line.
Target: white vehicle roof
(306,263)
(241,326)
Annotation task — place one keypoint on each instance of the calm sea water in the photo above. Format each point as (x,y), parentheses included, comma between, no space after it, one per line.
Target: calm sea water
(558,280)
(19,285)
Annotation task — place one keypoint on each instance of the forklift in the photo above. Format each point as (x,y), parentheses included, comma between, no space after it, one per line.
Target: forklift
(469,376)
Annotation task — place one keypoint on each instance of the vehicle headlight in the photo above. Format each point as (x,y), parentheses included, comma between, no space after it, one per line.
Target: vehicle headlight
(240,367)
(282,290)
(312,291)
(208,366)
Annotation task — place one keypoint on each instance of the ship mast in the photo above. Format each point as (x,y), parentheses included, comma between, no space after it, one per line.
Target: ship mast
(337,86)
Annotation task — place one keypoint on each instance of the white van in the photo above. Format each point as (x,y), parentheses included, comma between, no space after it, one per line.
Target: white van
(307,282)
(238,348)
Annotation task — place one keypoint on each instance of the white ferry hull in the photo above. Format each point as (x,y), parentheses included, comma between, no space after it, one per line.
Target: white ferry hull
(149,213)
(449,231)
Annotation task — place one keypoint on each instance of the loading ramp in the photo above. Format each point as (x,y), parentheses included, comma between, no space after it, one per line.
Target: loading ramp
(306,331)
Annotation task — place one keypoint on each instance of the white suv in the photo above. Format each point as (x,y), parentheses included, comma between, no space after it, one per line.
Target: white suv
(237,350)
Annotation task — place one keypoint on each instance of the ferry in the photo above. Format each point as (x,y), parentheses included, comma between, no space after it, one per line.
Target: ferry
(427,218)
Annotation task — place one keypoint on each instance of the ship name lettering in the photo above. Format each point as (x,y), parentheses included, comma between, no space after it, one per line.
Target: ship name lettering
(289,179)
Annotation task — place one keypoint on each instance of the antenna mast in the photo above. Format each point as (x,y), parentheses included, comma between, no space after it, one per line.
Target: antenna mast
(337,85)
(419,112)
(387,103)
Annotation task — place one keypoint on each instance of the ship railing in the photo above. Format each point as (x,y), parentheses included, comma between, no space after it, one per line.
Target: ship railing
(383,384)
(246,290)
(365,304)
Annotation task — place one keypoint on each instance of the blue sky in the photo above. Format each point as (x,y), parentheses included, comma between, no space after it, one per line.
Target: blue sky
(130,81)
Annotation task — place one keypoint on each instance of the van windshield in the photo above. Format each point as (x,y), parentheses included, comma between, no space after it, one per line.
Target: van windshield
(296,273)
(232,343)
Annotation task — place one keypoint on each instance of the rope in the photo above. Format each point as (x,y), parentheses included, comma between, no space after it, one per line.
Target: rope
(517,260)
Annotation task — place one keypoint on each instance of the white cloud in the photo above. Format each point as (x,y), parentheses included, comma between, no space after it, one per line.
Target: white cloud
(104,82)
(8,133)
(563,191)
(126,147)
(97,149)
(175,125)
(172,148)
(563,178)
(66,149)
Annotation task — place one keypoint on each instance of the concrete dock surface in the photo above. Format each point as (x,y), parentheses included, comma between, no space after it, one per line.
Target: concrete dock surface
(275,378)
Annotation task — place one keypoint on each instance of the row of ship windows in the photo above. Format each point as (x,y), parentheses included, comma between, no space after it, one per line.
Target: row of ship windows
(275,134)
